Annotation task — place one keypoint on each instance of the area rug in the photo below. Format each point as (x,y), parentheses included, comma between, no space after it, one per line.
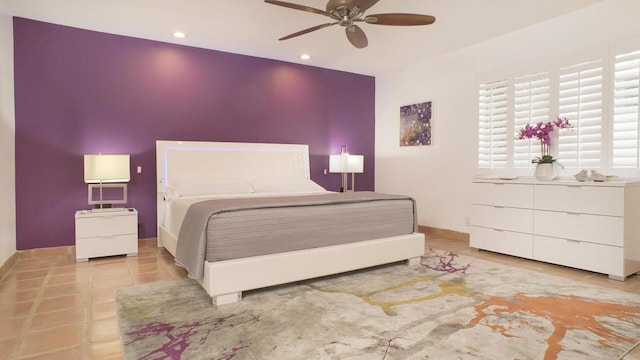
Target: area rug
(449,307)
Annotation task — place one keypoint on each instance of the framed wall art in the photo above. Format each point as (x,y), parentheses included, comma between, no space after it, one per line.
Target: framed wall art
(415,124)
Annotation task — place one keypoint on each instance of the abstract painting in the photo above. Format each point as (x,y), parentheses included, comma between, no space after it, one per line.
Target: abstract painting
(415,124)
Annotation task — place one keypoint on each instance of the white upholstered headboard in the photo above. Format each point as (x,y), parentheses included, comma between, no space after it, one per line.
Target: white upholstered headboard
(190,160)
(184,160)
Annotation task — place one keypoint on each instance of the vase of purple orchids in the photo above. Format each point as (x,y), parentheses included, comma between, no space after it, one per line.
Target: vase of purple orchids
(546,164)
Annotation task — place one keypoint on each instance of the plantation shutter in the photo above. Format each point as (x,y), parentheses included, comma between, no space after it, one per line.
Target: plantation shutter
(580,100)
(531,106)
(492,130)
(625,110)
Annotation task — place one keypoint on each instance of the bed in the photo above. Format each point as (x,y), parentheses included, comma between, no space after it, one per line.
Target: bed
(194,175)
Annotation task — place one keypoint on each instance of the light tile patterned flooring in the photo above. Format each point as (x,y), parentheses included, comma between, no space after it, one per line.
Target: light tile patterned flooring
(54,308)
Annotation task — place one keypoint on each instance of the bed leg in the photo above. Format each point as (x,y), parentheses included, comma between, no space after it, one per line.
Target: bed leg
(413,261)
(227,298)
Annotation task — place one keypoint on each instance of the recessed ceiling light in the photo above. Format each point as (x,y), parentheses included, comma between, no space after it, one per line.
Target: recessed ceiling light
(305,56)
(179,35)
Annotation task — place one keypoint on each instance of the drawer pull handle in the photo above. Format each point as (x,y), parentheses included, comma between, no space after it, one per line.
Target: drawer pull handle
(573,213)
(574,186)
(498,183)
(573,241)
(498,230)
(498,207)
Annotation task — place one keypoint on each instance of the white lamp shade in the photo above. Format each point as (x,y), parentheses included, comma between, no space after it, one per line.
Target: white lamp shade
(338,163)
(346,163)
(106,168)
(355,164)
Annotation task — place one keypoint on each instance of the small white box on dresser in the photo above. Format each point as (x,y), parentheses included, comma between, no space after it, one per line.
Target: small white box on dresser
(106,233)
(586,225)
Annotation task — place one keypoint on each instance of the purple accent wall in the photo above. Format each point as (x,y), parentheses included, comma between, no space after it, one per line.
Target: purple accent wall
(80,91)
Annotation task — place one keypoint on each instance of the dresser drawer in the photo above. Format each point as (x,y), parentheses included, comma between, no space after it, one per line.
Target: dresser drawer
(606,230)
(599,200)
(505,242)
(501,194)
(106,225)
(502,218)
(582,255)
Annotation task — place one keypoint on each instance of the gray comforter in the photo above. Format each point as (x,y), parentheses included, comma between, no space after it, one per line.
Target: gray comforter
(224,229)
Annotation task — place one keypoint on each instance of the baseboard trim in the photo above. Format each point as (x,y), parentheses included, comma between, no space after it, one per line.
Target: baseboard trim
(8,264)
(449,234)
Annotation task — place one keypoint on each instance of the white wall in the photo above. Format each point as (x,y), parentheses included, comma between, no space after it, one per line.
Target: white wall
(7,142)
(438,176)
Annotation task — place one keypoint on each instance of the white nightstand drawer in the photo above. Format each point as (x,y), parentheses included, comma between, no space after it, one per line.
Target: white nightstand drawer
(106,246)
(106,224)
(582,255)
(599,200)
(606,230)
(106,233)
(501,194)
(506,242)
(503,218)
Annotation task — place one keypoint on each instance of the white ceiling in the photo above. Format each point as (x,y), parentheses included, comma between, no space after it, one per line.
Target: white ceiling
(252,27)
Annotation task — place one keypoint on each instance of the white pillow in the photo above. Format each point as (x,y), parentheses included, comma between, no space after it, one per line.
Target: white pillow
(285,185)
(202,187)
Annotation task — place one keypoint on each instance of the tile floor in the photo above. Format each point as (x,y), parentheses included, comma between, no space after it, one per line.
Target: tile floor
(54,308)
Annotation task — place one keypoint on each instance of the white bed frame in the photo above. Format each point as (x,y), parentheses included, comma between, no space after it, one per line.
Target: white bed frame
(225,281)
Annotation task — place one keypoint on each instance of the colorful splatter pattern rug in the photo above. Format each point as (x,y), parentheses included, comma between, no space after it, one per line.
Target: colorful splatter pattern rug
(449,307)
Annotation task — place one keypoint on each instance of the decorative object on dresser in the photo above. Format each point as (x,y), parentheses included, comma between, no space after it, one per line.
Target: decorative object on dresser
(546,164)
(591,226)
(106,233)
(545,171)
(106,168)
(593,175)
(582,175)
(345,163)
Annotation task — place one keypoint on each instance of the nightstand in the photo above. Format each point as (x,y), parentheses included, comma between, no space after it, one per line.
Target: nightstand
(106,233)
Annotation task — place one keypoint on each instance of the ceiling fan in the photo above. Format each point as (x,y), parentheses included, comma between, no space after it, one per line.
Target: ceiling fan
(347,13)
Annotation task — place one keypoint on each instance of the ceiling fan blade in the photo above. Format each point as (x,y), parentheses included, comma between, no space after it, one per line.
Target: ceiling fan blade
(306,31)
(400,19)
(298,7)
(364,5)
(356,36)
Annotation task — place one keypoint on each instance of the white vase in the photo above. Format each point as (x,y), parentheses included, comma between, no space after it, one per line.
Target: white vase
(546,171)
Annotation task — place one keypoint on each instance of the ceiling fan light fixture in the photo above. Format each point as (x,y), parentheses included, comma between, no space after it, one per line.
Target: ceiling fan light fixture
(305,57)
(347,13)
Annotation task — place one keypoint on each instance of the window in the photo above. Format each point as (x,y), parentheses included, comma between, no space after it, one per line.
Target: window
(492,145)
(597,89)
(625,110)
(531,106)
(580,100)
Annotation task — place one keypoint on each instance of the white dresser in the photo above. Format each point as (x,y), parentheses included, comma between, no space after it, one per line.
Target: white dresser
(106,233)
(590,226)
